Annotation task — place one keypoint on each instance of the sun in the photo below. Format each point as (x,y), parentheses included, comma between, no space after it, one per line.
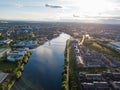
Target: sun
(92,7)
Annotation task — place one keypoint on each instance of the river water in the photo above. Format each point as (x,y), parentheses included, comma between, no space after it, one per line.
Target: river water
(45,66)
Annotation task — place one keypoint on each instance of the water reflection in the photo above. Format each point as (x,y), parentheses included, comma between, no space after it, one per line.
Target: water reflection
(43,71)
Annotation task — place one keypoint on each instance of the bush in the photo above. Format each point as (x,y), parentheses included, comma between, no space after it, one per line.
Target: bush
(22,68)
(28,54)
(64,77)
(25,59)
(18,74)
(64,87)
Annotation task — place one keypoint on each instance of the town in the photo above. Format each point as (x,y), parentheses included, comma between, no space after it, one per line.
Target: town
(60,45)
(91,54)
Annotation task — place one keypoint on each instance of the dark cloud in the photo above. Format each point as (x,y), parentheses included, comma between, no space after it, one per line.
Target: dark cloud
(52,6)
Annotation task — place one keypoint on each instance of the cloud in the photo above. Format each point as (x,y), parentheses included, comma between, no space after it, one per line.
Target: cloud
(52,6)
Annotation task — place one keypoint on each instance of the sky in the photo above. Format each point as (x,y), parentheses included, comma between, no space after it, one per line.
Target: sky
(67,10)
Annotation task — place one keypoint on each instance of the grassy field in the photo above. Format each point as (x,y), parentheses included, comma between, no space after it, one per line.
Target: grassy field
(65,74)
(102,48)
(92,70)
(7,66)
(74,85)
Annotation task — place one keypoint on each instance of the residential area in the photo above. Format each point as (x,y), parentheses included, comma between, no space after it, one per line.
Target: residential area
(92,67)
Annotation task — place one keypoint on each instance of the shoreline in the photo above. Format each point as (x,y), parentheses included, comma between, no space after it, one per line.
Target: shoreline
(16,74)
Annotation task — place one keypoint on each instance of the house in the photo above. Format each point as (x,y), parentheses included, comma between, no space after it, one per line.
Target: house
(4,51)
(116,45)
(116,76)
(88,86)
(14,57)
(116,85)
(107,75)
(94,77)
(95,86)
(8,41)
(17,55)
(27,44)
(75,42)
(101,86)
(81,77)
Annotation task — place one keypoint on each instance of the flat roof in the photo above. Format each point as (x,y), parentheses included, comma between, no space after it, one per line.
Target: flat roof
(88,85)
(101,84)
(115,43)
(3,49)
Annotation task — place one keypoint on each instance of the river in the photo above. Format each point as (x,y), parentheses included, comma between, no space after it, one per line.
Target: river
(45,66)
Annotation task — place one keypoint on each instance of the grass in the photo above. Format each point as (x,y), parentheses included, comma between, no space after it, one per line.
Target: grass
(102,48)
(65,76)
(7,66)
(73,71)
(93,70)
(8,83)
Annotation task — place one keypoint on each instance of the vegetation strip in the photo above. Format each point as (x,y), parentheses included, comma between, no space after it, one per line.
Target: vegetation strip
(15,69)
(65,74)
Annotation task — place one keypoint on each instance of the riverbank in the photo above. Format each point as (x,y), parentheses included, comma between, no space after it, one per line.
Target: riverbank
(14,69)
(70,73)
(45,66)
(65,74)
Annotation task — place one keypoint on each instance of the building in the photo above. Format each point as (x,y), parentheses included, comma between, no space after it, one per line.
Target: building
(75,42)
(95,86)
(101,86)
(88,86)
(4,51)
(116,76)
(116,45)
(82,77)
(8,41)
(94,77)
(14,57)
(107,75)
(27,44)
(17,55)
(116,85)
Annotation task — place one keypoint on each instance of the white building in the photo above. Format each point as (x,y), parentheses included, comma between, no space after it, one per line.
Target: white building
(8,41)
(115,45)
(28,44)
(4,51)
(17,55)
